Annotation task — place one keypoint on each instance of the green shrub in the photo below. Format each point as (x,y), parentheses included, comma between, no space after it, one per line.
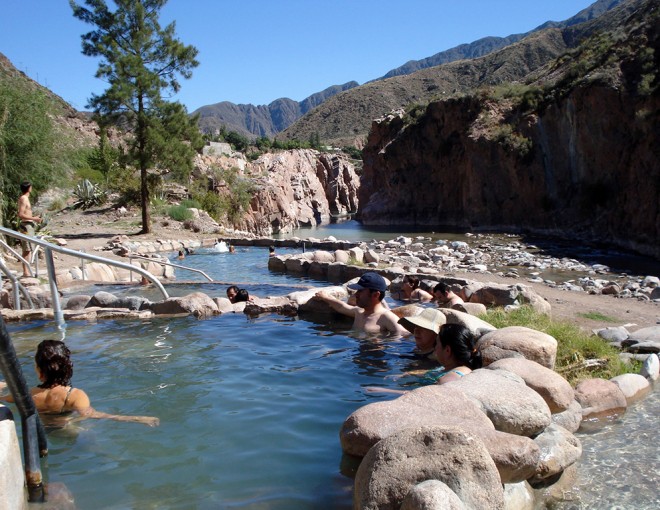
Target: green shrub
(88,195)
(191,204)
(574,346)
(179,213)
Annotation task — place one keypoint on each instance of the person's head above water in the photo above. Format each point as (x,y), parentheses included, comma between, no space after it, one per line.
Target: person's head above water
(242,295)
(53,362)
(456,346)
(231,292)
(371,281)
(425,326)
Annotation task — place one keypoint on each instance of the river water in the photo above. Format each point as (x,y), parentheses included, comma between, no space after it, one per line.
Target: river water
(251,408)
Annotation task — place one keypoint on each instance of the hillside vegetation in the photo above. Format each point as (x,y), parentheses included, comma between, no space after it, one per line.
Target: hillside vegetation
(346,118)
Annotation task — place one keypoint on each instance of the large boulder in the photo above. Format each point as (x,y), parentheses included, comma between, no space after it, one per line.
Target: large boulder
(600,398)
(103,299)
(516,457)
(571,418)
(517,341)
(477,326)
(509,403)
(426,406)
(77,302)
(197,304)
(398,463)
(559,450)
(471,308)
(633,386)
(555,390)
(280,304)
(494,294)
(651,367)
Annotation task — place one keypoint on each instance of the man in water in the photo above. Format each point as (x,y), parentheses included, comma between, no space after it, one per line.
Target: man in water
(444,296)
(28,222)
(369,314)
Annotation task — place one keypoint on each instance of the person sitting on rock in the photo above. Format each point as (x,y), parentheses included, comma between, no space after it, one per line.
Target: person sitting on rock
(56,396)
(425,327)
(444,296)
(369,313)
(411,291)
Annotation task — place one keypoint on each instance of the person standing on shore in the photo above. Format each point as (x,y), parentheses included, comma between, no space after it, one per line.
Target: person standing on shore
(28,222)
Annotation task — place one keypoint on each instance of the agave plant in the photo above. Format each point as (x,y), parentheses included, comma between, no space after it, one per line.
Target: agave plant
(88,195)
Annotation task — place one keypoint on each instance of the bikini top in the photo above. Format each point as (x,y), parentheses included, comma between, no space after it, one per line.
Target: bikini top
(432,376)
(66,398)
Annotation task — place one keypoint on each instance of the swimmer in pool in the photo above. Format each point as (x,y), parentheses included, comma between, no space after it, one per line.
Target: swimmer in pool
(56,396)
(369,313)
(455,350)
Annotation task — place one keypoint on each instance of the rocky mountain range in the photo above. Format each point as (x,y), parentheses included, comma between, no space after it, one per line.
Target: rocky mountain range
(268,120)
(569,150)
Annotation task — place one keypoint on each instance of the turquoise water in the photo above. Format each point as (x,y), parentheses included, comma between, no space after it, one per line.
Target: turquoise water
(250,409)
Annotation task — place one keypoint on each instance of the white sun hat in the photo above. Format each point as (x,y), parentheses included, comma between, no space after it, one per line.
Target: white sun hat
(429,318)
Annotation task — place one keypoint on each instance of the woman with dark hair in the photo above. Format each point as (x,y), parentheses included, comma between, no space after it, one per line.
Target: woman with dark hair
(242,295)
(455,350)
(56,396)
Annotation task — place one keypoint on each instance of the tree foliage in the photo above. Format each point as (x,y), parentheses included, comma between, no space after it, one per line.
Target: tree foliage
(26,143)
(140,61)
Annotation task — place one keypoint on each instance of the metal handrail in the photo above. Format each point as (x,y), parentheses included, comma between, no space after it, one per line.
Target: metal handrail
(48,250)
(16,285)
(15,254)
(34,436)
(166,263)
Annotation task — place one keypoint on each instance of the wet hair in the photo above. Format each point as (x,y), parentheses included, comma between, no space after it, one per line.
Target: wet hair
(412,280)
(232,287)
(271,249)
(441,287)
(241,295)
(462,343)
(53,358)
(25,185)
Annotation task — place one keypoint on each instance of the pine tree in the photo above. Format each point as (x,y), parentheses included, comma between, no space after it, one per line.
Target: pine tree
(140,61)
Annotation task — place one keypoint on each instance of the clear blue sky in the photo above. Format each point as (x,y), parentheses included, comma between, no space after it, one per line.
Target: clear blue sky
(256,51)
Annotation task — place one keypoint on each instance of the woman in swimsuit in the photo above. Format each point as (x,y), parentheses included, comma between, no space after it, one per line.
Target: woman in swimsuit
(455,350)
(56,396)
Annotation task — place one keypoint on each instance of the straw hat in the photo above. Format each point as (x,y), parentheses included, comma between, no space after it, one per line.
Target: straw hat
(430,318)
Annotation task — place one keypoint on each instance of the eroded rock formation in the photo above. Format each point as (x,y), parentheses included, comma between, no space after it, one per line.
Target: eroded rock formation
(586,166)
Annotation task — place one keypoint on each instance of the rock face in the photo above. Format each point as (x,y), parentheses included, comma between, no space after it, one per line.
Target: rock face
(559,168)
(299,188)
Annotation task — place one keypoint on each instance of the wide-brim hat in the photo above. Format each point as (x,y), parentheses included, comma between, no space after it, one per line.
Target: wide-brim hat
(430,318)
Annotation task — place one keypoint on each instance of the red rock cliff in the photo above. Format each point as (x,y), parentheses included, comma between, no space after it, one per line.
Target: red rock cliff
(588,166)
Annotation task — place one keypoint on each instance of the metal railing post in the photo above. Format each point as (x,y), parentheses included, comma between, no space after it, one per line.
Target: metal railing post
(54,292)
(34,435)
(17,296)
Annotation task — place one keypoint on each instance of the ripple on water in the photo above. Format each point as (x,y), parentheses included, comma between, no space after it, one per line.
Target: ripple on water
(619,465)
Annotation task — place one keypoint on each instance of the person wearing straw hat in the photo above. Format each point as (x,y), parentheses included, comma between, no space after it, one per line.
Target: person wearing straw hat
(425,327)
